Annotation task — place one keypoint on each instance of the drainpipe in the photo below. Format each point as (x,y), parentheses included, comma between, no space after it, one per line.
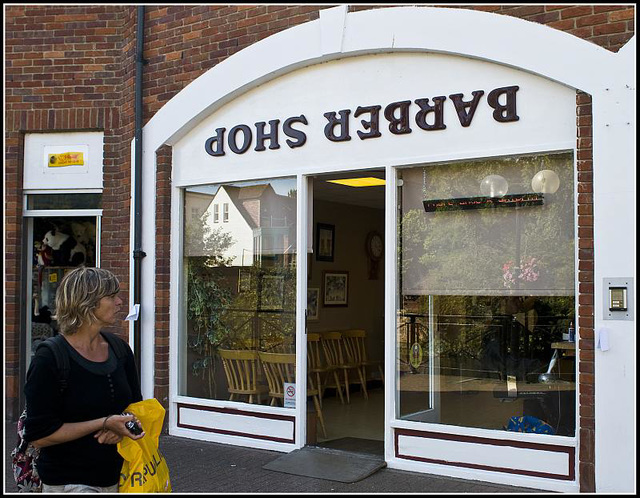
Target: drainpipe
(138,253)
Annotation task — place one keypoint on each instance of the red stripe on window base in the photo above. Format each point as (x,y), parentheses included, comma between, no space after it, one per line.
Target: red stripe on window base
(236,412)
(493,442)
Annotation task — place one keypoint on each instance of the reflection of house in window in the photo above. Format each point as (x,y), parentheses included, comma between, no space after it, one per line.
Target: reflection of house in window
(260,222)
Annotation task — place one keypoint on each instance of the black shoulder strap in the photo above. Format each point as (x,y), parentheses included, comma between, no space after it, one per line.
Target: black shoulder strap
(61,357)
(119,346)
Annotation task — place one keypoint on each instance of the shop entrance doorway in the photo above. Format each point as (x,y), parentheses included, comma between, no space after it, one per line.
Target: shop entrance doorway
(345,315)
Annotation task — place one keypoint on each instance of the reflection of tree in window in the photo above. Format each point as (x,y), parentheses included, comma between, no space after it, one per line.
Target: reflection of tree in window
(236,300)
(501,282)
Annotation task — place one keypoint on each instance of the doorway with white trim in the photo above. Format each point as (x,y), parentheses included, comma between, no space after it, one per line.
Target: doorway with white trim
(345,311)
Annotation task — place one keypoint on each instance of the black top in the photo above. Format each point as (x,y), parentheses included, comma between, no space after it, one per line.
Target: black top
(94,390)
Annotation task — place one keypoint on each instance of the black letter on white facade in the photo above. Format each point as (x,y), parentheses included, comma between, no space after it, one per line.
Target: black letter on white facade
(297,134)
(218,139)
(506,112)
(343,122)
(436,108)
(399,125)
(272,136)
(246,131)
(373,124)
(465,116)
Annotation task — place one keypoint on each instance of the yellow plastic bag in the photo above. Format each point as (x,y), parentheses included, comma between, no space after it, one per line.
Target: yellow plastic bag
(144,469)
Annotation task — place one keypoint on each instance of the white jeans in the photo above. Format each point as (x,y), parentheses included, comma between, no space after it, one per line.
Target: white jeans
(79,488)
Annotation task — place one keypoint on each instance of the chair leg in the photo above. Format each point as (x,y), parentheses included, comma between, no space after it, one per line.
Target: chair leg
(363,381)
(316,402)
(346,383)
(337,380)
(319,386)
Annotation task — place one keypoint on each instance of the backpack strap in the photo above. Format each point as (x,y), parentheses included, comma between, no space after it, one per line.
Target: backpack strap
(119,346)
(61,357)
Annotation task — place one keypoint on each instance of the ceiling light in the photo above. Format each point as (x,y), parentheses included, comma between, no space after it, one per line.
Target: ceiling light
(359,182)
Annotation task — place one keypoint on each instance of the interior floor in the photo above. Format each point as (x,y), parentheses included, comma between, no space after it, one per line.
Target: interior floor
(361,418)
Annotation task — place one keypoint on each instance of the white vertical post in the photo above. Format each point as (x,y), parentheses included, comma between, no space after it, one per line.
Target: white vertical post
(390,297)
(301,311)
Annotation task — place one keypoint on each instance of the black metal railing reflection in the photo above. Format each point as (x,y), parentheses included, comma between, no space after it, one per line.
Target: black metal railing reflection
(494,346)
(263,330)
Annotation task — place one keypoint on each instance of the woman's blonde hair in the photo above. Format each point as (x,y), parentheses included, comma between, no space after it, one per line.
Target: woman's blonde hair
(78,296)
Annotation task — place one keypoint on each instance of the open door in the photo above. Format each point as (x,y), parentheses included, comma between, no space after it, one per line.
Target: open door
(345,310)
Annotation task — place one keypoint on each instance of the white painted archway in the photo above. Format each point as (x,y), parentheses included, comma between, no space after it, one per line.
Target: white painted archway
(608,77)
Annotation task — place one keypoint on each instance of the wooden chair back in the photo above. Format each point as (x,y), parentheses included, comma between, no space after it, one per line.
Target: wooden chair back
(332,347)
(279,368)
(315,359)
(354,346)
(242,370)
(356,341)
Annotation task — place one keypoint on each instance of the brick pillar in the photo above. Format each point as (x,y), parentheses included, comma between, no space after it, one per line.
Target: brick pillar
(585,325)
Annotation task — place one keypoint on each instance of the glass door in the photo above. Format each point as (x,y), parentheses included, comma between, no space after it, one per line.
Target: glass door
(56,245)
(417,335)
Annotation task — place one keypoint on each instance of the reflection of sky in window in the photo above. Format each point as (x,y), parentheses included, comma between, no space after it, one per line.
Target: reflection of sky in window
(281,186)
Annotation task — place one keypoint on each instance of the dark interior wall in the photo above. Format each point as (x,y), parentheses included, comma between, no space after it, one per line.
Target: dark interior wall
(365,309)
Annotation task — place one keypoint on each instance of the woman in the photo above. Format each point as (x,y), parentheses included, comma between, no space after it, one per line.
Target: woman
(77,431)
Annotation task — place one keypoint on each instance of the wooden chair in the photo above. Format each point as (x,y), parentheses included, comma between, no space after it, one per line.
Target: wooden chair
(242,370)
(339,355)
(356,338)
(333,357)
(280,368)
(316,364)
(354,356)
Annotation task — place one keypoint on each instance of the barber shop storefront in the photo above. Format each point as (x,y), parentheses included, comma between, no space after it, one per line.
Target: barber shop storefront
(377,244)
(391,236)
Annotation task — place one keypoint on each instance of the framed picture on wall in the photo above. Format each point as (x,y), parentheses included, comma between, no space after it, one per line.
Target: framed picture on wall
(325,241)
(313,296)
(336,288)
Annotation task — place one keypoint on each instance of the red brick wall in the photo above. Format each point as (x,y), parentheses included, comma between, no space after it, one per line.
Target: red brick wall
(72,68)
(66,70)
(585,325)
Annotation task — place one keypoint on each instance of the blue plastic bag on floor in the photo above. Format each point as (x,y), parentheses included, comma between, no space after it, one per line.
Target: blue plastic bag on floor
(528,423)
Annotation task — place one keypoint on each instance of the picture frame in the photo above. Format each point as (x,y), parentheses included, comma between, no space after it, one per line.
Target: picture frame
(313,303)
(336,288)
(325,242)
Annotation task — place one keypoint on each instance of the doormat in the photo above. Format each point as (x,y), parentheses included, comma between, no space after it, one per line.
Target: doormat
(327,463)
(356,445)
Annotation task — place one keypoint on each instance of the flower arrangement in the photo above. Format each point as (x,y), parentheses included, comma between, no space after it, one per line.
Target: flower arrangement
(527,271)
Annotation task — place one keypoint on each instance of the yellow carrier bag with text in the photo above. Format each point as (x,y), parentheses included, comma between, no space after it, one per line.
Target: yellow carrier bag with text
(144,469)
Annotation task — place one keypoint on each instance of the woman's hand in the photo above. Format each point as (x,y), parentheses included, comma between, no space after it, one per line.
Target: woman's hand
(116,425)
(107,437)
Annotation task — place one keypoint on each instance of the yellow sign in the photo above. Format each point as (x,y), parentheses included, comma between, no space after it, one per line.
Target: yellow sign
(66,159)
(415,355)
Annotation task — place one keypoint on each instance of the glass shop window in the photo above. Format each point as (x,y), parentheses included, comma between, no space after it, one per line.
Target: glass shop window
(59,244)
(238,338)
(487,294)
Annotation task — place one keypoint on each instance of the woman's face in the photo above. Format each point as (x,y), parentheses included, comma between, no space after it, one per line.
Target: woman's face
(108,309)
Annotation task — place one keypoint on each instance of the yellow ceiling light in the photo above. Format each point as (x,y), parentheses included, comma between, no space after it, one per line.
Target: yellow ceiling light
(359,182)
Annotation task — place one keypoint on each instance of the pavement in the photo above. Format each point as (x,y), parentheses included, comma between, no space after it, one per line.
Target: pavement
(212,468)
